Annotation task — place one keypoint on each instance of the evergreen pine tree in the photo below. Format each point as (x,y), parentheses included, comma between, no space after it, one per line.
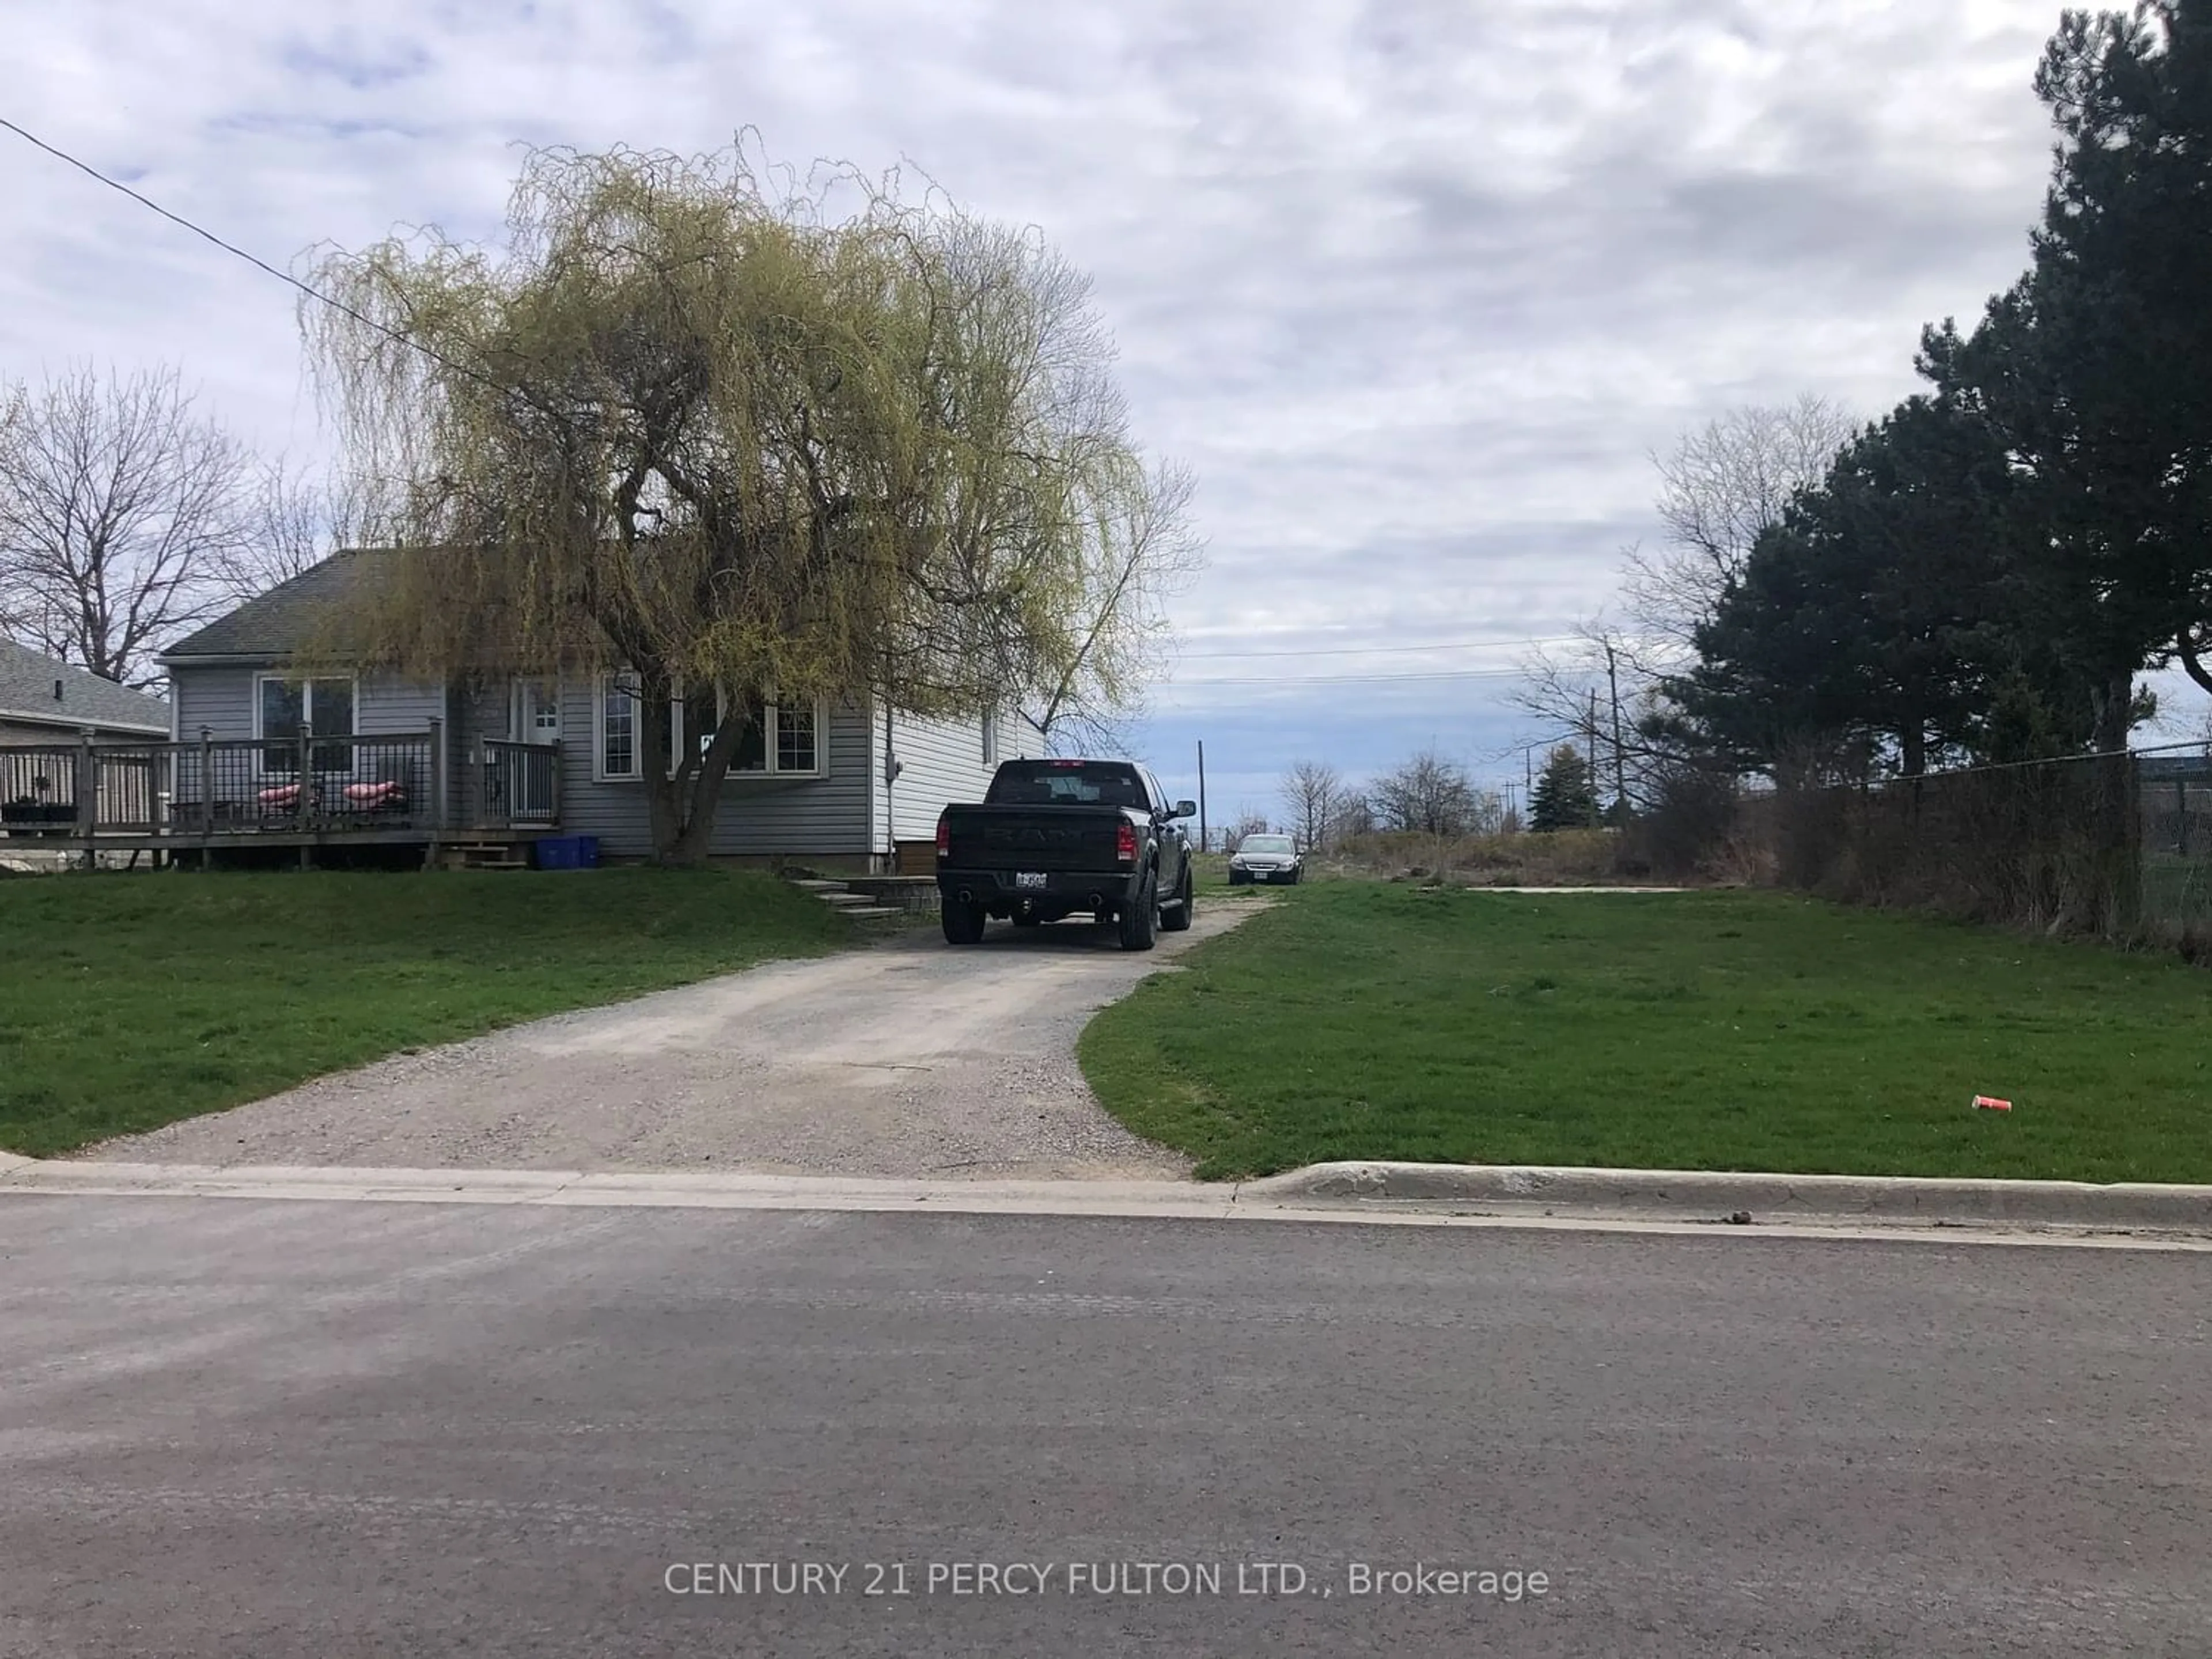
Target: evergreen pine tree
(1562,799)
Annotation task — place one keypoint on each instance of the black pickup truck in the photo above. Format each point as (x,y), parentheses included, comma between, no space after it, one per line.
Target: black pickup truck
(1054,838)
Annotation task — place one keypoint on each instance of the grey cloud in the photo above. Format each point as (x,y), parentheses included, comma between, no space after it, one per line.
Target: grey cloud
(1413,286)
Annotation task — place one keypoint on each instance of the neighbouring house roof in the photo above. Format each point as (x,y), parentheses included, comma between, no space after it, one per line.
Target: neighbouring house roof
(30,681)
(284,620)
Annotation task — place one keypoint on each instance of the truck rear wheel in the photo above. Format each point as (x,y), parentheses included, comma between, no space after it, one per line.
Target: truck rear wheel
(963,923)
(1140,917)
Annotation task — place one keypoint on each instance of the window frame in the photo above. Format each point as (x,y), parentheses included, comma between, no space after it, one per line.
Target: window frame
(307,684)
(771,735)
(1153,788)
(603,687)
(678,736)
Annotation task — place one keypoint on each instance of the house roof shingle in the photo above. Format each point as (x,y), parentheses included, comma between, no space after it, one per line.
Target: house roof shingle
(283,620)
(28,685)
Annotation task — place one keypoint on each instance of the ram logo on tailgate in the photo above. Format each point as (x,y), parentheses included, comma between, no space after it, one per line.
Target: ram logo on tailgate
(1029,835)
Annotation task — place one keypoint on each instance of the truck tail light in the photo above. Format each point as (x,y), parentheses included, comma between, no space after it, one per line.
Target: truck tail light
(943,836)
(1125,842)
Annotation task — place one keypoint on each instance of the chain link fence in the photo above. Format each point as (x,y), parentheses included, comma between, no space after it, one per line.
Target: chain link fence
(2114,845)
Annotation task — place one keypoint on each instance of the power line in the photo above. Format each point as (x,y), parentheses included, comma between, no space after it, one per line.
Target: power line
(258,263)
(1354,679)
(1391,650)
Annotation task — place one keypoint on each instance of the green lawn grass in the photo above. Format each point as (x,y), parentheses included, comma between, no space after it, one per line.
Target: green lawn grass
(129,1001)
(1718,1030)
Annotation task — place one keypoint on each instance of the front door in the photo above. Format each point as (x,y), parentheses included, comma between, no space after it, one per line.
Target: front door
(534,719)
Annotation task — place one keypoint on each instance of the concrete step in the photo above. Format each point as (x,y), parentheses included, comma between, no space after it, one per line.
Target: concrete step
(816,884)
(871,912)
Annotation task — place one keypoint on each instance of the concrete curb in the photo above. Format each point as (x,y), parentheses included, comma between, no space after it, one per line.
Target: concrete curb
(680,1189)
(1717,1195)
(1445,1194)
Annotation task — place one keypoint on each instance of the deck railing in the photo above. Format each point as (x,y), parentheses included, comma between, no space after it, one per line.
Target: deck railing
(304,784)
(521,784)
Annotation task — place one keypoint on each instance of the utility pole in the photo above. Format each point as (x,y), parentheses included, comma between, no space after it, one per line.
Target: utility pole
(1204,846)
(1619,766)
(1590,731)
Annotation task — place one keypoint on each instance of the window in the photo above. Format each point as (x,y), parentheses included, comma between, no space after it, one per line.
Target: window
(285,708)
(618,726)
(1042,783)
(776,738)
(751,754)
(795,747)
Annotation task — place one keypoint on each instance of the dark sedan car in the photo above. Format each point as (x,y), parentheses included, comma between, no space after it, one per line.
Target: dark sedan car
(1265,857)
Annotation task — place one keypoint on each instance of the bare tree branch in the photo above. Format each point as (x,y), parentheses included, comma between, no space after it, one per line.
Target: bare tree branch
(119,506)
(1719,488)
(290,522)
(1314,791)
(1433,796)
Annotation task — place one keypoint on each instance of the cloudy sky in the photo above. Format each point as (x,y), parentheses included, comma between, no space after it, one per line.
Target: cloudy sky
(1415,287)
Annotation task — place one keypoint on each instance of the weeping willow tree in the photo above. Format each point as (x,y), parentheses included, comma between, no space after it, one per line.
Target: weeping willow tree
(739,446)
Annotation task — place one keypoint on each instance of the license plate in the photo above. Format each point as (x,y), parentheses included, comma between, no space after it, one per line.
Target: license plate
(1029,878)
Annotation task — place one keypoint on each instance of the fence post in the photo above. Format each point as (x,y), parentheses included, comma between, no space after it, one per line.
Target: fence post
(207,784)
(2181,816)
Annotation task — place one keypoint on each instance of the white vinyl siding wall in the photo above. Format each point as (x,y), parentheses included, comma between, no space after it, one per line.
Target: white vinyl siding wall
(940,762)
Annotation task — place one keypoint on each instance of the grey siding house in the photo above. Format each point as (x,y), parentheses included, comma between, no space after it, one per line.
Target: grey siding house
(43,701)
(844,784)
(50,716)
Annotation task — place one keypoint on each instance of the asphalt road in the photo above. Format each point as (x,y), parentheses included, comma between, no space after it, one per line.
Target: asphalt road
(235,1428)
(908,1059)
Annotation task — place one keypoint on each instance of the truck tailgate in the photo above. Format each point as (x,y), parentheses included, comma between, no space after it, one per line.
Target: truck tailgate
(1033,838)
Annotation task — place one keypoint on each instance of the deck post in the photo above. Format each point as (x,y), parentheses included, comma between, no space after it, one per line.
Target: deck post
(306,805)
(88,795)
(207,786)
(437,791)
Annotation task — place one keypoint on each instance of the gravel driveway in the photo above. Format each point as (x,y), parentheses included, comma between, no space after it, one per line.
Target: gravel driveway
(910,1058)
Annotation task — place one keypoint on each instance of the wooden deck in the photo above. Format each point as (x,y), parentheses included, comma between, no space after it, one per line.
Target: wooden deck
(306,792)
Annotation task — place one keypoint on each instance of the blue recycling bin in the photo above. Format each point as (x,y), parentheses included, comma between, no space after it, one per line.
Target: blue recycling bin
(568,853)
